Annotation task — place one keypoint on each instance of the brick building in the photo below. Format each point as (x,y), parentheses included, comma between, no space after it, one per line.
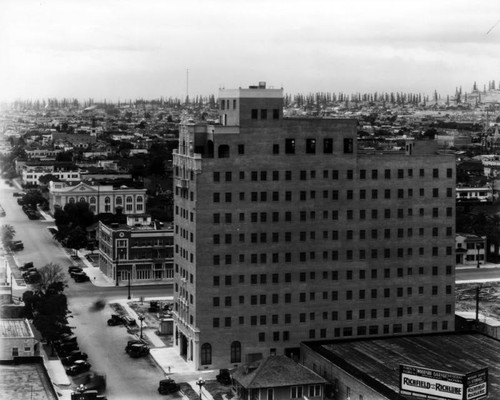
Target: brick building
(285,232)
(140,250)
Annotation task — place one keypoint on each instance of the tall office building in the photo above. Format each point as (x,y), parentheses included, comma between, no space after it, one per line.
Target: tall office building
(285,232)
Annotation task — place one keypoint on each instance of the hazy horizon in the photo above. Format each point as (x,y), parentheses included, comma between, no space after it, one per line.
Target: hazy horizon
(121,50)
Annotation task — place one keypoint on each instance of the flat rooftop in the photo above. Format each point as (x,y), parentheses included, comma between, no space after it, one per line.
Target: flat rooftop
(15,328)
(376,362)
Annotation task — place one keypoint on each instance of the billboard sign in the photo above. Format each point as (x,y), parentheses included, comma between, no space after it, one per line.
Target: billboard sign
(430,382)
(477,384)
(421,381)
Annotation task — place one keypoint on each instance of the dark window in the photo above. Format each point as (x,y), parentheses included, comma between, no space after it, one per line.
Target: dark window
(328,146)
(241,149)
(348,145)
(216,177)
(290,146)
(276,148)
(255,113)
(263,114)
(276,113)
(310,146)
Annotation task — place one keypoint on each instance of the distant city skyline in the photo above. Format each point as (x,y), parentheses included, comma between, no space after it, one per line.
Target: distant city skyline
(121,50)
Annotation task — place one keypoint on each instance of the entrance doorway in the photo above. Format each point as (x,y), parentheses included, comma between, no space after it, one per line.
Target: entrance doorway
(183,345)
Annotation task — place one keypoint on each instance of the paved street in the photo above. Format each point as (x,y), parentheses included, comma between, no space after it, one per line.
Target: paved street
(126,378)
(489,273)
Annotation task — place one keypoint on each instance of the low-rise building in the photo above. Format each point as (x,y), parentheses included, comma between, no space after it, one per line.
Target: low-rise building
(139,251)
(17,340)
(101,198)
(277,378)
(470,249)
(394,368)
(477,194)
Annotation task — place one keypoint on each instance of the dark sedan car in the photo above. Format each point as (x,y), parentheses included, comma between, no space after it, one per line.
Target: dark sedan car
(80,277)
(168,386)
(138,350)
(78,367)
(74,356)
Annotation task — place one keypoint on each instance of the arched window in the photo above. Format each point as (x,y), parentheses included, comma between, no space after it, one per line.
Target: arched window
(129,199)
(223,151)
(92,200)
(118,200)
(235,352)
(71,200)
(206,354)
(82,200)
(107,200)
(139,199)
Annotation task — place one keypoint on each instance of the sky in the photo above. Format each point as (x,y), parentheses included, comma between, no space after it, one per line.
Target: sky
(123,49)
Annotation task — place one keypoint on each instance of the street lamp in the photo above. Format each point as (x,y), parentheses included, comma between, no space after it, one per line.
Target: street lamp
(200,382)
(130,273)
(141,319)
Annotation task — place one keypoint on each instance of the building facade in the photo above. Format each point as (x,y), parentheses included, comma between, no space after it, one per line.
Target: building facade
(17,340)
(470,249)
(284,232)
(139,251)
(101,198)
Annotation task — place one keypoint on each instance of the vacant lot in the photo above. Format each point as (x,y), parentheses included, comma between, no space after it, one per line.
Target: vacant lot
(489,296)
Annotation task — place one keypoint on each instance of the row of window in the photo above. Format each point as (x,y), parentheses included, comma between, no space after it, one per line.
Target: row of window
(334,174)
(287,277)
(334,255)
(227,322)
(304,195)
(374,214)
(302,297)
(334,235)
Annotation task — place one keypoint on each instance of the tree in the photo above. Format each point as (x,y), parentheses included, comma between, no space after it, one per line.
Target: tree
(45,179)
(77,238)
(50,275)
(8,233)
(34,198)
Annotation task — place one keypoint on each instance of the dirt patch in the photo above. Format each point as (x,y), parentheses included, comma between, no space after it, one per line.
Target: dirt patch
(189,391)
(219,391)
(489,296)
(152,318)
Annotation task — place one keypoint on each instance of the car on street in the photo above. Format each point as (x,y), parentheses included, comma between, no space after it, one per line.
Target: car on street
(168,386)
(26,266)
(224,377)
(74,269)
(16,245)
(115,320)
(138,350)
(65,349)
(18,194)
(130,343)
(73,356)
(80,277)
(78,367)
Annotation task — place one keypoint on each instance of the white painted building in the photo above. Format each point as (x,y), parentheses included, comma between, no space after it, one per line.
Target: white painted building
(101,198)
(17,339)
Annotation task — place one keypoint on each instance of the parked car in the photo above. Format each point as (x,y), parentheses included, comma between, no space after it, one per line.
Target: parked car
(115,320)
(138,350)
(16,245)
(74,269)
(73,356)
(20,201)
(224,377)
(18,194)
(78,367)
(33,277)
(168,386)
(80,277)
(26,266)
(130,343)
(64,349)
(66,339)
